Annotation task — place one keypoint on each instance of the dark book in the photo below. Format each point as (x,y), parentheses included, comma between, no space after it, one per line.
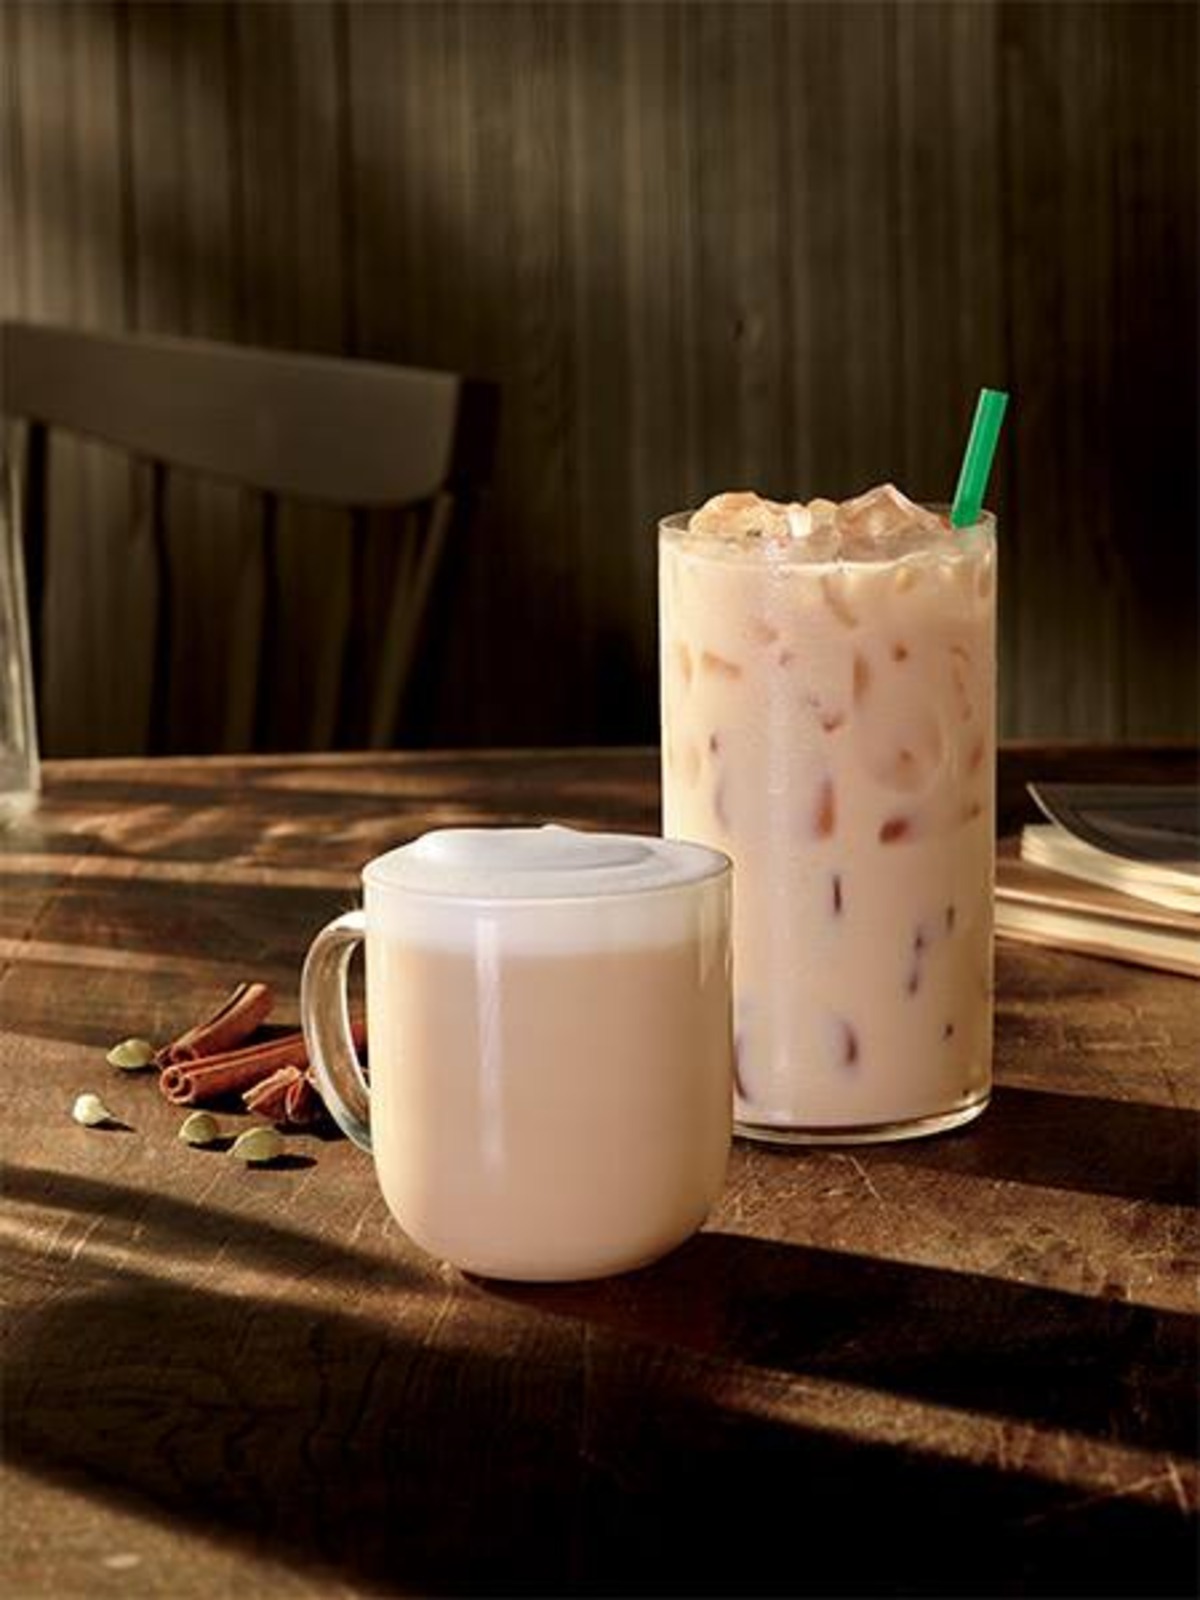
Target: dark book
(1143,840)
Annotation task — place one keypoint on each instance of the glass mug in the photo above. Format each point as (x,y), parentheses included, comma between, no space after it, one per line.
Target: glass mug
(550,1026)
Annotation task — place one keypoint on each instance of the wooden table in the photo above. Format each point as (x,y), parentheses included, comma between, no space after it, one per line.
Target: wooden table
(959,1366)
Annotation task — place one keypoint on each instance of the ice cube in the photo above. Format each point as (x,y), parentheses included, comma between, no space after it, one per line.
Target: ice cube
(929,533)
(877,510)
(799,520)
(824,541)
(885,523)
(740,515)
(814,528)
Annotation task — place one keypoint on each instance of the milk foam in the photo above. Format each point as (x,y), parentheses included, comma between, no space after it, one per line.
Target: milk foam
(545,889)
(548,863)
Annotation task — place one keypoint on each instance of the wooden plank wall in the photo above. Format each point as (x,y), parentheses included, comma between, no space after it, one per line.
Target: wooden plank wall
(698,245)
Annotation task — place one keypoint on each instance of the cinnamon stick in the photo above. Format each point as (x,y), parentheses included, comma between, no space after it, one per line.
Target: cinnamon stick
(197,1082)
(234,1020)
(191,1083)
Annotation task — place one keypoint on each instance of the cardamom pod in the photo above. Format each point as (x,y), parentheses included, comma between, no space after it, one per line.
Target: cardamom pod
(131,1055)
(200,1128)
(90,1111)
(257,1145)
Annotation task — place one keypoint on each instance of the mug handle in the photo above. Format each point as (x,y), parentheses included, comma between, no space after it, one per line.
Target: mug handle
(325,1019)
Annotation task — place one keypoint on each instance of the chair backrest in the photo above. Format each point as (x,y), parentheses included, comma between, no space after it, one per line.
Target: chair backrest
(355,435)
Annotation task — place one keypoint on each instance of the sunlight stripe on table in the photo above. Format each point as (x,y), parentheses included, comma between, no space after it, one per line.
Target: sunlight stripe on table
(235,874)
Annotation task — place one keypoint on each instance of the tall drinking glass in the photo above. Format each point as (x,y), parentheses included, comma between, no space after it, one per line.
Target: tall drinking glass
(830,725)
(19,774)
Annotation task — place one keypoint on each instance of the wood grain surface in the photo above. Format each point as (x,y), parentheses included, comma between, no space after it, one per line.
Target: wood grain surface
(959,1366)
(698,246)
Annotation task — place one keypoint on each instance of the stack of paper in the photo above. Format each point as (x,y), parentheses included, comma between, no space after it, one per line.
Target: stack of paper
(1115,872)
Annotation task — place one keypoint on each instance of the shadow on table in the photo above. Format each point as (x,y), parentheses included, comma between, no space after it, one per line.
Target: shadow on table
(1117,1371)
(645,1434)
(201,920)
(1019,1353)
(181,1232)
(551,1461)
(1070,1141)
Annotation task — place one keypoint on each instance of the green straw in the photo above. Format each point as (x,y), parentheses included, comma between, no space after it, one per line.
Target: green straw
(977,463)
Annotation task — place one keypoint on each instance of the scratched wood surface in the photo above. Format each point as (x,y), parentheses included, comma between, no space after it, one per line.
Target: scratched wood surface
(698,246)
(961,1366)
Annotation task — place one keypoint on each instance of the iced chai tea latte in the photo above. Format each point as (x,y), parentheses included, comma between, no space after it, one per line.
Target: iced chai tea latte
(828,690)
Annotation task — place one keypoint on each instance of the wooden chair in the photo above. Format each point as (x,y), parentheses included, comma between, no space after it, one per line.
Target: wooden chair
(355,435)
